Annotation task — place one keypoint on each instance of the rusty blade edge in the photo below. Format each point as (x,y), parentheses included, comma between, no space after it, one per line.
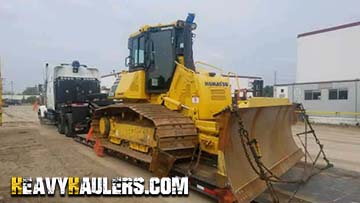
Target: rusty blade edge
(256,186)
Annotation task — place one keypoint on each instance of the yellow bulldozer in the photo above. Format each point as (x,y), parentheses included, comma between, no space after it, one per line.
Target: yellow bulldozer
(177,118)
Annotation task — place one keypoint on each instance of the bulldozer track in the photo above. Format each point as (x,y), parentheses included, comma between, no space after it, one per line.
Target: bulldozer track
(174,133)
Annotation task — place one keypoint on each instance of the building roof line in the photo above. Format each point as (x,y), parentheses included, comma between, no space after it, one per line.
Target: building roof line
(318,82)
(329,29)
(241,76)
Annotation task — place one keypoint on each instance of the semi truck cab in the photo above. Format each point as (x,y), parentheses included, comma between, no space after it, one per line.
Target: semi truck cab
(67,91)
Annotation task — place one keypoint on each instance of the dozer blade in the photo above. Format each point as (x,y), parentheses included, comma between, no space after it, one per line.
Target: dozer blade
(271,127)
(162,163)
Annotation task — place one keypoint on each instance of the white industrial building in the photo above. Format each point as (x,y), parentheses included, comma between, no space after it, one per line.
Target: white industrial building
(327,76)
(18,97)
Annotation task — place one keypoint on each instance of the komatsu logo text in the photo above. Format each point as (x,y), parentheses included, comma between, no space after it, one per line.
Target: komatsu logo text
(220,84)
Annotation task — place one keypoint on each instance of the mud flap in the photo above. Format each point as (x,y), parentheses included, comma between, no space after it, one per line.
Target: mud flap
(271,127)
(161,163)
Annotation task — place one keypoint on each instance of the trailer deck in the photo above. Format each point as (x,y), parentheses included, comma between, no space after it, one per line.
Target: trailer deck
(330,185)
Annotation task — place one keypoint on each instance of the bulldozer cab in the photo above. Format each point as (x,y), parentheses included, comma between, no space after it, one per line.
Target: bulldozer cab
(155,50)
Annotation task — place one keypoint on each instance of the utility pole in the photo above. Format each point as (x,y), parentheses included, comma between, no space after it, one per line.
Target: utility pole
(12,89)
(275,74)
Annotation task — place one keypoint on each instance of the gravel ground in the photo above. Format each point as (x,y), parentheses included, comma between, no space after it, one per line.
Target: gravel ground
(30,149)
(341,144)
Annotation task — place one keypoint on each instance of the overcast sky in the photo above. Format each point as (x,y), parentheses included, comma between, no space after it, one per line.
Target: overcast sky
(248,37)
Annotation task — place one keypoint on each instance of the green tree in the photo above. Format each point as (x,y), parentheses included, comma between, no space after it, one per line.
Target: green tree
(31,90)
(268,91)
(30,100)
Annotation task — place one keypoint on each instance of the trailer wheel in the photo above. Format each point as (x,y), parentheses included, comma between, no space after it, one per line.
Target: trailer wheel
(60,125)
(69,131)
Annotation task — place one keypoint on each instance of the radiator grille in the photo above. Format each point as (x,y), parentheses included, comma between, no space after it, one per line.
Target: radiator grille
(218,94)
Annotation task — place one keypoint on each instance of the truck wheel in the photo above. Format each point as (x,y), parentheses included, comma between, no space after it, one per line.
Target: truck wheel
(60,126)
(68,130)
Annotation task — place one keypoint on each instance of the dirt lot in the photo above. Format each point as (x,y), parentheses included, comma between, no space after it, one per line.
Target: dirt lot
(30,149)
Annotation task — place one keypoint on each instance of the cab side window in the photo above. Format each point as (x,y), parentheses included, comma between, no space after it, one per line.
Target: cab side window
(137,52)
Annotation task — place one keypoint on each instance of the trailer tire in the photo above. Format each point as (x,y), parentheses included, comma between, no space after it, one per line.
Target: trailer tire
(68,127)
(60,125)
(68,131)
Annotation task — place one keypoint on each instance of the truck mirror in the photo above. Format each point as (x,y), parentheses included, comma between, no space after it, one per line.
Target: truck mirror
(127,61)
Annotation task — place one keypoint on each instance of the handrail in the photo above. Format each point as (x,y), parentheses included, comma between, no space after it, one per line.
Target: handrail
(237,79)
(187,69)
(209,65)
